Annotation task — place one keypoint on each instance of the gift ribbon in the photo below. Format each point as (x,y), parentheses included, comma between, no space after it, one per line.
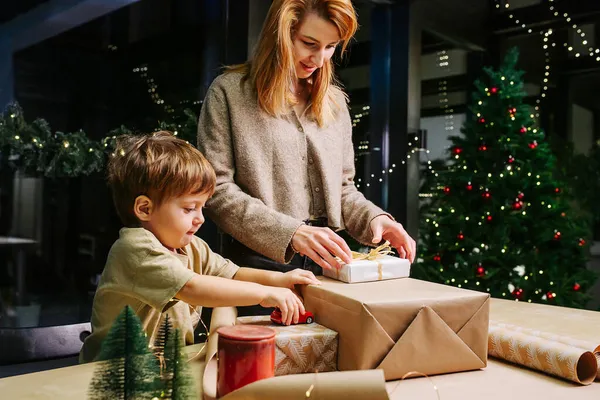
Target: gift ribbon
(382,250)
(372,255)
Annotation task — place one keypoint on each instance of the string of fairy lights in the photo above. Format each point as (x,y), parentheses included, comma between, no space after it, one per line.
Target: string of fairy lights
(548,42)
(142,70)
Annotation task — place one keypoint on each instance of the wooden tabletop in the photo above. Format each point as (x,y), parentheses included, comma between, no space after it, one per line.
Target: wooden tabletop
(499,380)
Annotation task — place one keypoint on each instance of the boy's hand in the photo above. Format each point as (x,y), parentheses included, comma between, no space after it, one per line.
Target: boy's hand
(290,305)
(296,277)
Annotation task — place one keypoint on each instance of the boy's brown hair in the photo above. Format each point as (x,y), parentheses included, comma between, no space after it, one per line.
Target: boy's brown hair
(160,166)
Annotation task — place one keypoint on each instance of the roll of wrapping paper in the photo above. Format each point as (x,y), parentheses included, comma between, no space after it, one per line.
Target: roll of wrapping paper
(349,385)
(544,355)
(582,344)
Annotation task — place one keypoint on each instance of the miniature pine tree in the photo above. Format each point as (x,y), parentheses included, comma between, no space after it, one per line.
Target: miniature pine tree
(179,383)
(128,369)
(162,337)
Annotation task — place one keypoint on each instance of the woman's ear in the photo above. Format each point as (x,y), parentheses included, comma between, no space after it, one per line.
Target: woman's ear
(142,208)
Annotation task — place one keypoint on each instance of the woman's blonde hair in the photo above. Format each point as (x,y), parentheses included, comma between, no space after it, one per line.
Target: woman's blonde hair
(271,70)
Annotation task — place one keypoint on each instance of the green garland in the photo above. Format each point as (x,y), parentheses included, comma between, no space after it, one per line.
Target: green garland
(33,148)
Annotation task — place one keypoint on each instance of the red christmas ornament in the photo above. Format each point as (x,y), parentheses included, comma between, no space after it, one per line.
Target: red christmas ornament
(556,190)
(494,90)
(563,214)
(557,236)
(482,120)
(518,293)
(489,218)
(437,258)
(447,189)
(457,150)
(483,147)
(576,287)
(523,129)
(469,186)
(460,236)
(550,295)
(480,271)
(512,110)
(533,145)
(486,194)
(511,159)
(581,242)
(517,205)
(521,195)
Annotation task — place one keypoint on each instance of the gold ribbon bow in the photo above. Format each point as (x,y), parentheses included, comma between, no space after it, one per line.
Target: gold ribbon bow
(372,255)
(375,253)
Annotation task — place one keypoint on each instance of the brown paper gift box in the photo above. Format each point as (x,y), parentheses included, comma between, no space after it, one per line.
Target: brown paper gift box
(403,325)
(302,348)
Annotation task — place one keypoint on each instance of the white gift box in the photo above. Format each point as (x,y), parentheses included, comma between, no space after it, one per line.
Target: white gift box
(381,268)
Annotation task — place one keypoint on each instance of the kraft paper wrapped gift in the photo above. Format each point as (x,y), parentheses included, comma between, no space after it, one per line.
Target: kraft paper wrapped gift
(302,348)
(403,325)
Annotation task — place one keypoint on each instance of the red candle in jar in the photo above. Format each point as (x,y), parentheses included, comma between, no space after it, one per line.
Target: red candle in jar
(246,354)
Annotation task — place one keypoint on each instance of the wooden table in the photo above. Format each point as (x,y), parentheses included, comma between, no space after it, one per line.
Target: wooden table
(499,380)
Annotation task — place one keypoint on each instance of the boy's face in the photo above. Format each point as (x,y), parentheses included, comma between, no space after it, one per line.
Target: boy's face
(176,220)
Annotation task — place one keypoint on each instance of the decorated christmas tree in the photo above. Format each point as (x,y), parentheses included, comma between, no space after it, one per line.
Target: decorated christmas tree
(129,370)
(501,218)
(179,384)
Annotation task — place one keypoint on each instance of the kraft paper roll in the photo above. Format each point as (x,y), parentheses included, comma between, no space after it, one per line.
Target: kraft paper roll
(559,359)
(582,344)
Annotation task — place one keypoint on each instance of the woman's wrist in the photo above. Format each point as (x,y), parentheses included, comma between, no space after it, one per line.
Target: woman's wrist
(292,239)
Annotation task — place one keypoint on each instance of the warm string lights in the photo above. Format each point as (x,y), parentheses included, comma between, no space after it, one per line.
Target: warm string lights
(444,64)
(592,51)
(153,90)
(414,149)
(363,148)
(548,43)
(363,113)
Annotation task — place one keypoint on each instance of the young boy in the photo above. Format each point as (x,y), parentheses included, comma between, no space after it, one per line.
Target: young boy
(160,185)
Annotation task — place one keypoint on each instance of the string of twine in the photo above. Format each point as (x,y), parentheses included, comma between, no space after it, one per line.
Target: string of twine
(382,250)
(416,374)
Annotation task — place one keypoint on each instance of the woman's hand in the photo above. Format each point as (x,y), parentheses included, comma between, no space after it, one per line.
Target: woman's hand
(321,245)
(296,277)
(384,227)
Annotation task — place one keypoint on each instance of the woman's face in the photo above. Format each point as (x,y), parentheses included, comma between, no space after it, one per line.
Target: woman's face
(314,44)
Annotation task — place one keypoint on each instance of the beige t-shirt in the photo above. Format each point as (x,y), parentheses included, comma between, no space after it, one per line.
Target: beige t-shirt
(142,273)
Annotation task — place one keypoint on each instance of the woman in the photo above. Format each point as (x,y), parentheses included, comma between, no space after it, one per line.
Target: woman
(278,132)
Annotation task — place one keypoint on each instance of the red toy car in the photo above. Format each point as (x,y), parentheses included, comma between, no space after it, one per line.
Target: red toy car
(306,318)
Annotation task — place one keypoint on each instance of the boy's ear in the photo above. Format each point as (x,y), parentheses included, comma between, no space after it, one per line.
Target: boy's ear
(142,207)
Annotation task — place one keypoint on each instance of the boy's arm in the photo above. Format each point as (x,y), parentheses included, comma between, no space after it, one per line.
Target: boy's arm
(215,265)
(273,278)
(213,291)
(268,278)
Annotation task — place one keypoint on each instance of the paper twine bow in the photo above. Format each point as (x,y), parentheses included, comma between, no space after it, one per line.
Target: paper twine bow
(375,253)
